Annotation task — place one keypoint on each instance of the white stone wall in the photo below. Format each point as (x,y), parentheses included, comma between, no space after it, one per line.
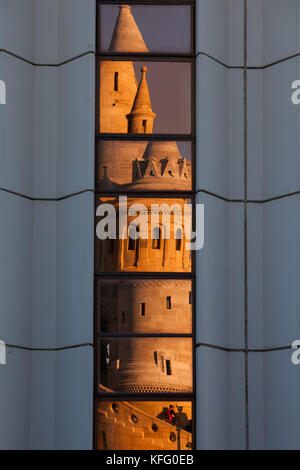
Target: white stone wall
(248,399)
(46,246)
(46,288)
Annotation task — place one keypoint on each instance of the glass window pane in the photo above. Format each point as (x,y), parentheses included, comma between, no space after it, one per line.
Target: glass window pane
(144,306)
(145,97)
(144,166)
(144,425)
(145,28)
(145,365)
(131,225)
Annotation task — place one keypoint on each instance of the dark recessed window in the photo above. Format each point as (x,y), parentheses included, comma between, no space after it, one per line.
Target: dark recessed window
(154,427)
(156,236)
(168,367)
(132,238)
(143,309)
(169,304)
(115,408)
(116,81)
(178,239)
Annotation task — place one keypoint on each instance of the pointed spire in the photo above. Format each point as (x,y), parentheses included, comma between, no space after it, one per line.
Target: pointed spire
(127,36)
(140,120)
(142,102)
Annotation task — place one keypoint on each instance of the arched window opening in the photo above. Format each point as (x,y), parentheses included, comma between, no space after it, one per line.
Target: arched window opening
(133,237)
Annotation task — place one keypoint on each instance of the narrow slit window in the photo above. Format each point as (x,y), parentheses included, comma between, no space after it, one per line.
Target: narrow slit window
(178,240)
(107,353)
(144,126)
(133,235)
(116,81)
(162,363)
(143,309)
(156,236)
(168,367)
(169,304)
(190,297)
(131,244)
(123,317)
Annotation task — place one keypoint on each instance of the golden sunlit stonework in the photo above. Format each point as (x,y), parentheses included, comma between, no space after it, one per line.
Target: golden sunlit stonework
(147,253)
(141,365)
(141,425)
(125,107)
(145,306)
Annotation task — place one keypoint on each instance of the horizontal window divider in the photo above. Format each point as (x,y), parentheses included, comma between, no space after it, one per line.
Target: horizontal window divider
(147,57)
(144,335)
(148,2)
(147,194)
(144,137)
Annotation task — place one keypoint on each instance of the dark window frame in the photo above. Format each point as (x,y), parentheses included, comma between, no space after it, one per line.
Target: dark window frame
(191,397)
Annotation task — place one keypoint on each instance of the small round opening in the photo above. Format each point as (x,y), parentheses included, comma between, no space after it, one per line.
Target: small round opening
(115,408)
(154,427)
(172,437)
(134,419)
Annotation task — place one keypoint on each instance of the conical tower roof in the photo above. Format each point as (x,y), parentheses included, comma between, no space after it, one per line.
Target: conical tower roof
(127,36)
(159,150)
(162,167)
(142,102)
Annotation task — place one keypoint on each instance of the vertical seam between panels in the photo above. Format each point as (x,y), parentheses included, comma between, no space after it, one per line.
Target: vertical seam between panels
(245,232)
